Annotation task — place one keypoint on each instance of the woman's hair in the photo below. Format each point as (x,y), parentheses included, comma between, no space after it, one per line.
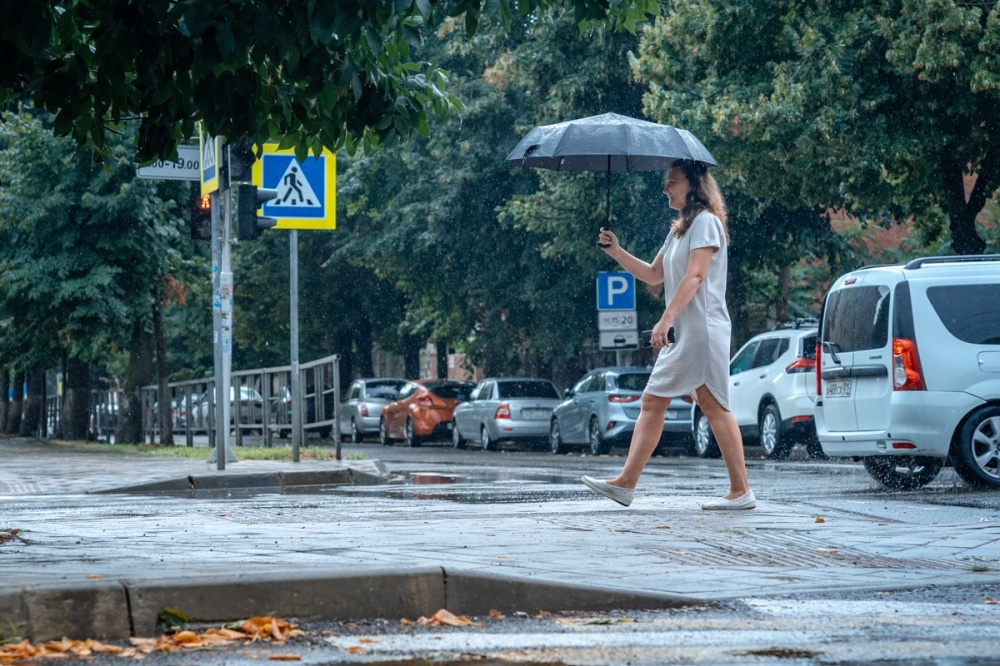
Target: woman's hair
(703,195)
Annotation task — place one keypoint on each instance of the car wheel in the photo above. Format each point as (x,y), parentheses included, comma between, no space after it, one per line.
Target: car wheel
(704,445)
(485,440)
(556,445)
(598,446)
(772,439)
(383,433)
(355,434)
(977,454)
(409,437)
(903,472)
(456,438)
(814,448)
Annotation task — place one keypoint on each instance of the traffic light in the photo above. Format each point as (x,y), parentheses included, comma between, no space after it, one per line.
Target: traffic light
(200,218)
(248,199)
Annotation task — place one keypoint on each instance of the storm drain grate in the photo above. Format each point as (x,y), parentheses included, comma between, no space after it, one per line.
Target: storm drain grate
(19,487)
(786,550)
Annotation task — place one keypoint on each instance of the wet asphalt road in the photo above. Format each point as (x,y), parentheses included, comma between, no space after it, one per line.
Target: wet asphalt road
(926,625)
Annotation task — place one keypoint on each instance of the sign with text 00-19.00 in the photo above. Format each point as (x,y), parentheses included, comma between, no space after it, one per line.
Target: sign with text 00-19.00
(186,167)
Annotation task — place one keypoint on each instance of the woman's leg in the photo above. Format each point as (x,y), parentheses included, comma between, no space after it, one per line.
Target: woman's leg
(727,434)
(645,437)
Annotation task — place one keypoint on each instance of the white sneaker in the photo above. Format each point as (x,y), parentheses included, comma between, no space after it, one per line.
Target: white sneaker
(744,501)
(621,495)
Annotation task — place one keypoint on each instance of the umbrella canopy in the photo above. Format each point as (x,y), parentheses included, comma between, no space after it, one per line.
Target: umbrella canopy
(610,143)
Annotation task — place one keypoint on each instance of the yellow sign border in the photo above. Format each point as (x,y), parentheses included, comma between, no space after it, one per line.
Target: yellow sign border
(329,219)
(211,185)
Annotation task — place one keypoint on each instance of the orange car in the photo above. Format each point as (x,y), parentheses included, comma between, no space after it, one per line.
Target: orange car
(422,410)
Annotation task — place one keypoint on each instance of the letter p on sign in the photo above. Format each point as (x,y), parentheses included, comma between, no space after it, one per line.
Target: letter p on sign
(615,291)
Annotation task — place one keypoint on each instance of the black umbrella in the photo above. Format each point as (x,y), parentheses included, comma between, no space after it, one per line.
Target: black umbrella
(608,142)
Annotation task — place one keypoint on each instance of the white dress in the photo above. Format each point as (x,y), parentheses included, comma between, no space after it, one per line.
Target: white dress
(700,355)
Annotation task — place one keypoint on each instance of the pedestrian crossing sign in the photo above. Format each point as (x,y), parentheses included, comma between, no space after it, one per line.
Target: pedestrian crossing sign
(210,157)
(307,191)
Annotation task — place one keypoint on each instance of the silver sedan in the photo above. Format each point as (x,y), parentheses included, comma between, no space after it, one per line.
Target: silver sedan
(505,408)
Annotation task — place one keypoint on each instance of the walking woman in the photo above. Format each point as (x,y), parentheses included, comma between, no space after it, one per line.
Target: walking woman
(692,266)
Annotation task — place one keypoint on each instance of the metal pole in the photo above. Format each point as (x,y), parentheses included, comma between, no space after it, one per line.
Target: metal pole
(293,269)
(336,404)
(217,320)
(226,315)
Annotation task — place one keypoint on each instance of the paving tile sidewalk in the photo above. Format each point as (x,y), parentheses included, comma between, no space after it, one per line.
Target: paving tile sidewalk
(663,544)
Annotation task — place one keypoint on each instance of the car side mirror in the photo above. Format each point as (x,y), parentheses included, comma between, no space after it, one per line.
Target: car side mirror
(568,393)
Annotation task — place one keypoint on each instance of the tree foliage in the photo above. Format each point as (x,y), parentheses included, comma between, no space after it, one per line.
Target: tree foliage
(310,74)
(879,109)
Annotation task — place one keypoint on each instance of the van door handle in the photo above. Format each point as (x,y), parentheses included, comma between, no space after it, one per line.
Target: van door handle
(763,375)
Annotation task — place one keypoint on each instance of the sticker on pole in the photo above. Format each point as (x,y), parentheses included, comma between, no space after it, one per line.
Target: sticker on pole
(307,190)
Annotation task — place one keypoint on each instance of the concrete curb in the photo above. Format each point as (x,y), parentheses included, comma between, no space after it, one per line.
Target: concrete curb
(118,610)
(254,480)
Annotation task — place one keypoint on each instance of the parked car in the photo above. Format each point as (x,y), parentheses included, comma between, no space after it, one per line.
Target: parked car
(509,408)
(909,370)
(600,410)
(422,410)
(772,392)
(251,407)
(361,408)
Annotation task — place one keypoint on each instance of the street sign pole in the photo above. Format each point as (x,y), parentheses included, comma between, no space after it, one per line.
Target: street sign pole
(293,269)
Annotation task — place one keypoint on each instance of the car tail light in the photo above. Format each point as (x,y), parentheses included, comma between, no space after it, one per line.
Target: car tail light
(801,364)
(819,367)
(906,374)
(425,401)
(687,398)
(617,397)
(363,409)
(503,412)
(611,424)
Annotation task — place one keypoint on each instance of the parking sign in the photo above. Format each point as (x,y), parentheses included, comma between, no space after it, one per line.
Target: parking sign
(615,291)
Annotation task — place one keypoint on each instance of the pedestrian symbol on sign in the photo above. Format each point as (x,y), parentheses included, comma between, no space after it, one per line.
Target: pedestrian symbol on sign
(295,190)
(208,153)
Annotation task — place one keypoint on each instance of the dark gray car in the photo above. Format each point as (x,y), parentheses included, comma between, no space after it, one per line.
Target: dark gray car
(361,408)
(507,408)
(600,411)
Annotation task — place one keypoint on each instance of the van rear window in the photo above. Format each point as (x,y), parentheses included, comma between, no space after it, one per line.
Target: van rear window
(857,318)
(970,312)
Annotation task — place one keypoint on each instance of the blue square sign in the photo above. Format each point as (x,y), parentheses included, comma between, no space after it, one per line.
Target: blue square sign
(615,291)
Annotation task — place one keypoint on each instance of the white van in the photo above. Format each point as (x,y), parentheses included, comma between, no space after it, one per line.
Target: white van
(908,370)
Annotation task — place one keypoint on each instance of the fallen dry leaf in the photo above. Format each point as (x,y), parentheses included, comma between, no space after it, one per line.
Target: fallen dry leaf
(356,649)
(826,550)
(444,618)
(498,615)
(369,640)
(406,623)
(285,656)
(820,519)
(94,576)
(991,601)
(661,527)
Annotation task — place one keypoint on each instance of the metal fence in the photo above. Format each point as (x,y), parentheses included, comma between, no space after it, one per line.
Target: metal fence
(263,408)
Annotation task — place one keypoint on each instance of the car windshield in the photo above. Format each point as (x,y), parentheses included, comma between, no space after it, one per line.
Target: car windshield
(632,381)
(526,389)
(387,390)
(451,390)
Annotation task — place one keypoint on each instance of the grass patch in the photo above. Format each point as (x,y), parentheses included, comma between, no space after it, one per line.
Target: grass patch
(278,452)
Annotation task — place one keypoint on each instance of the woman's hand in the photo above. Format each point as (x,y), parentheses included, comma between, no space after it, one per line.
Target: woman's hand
(607,241)
(661,331)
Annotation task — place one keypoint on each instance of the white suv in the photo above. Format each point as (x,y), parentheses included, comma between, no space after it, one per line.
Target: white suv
(909,370)
(772,392)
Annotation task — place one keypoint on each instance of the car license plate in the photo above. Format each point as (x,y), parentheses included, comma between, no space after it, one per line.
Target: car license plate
(535,413)
(838,389)
(671,415)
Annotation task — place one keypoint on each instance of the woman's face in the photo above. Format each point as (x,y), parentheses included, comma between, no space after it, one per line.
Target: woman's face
(677,188)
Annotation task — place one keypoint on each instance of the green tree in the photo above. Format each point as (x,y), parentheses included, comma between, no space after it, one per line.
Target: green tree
(880,109)
(311,74)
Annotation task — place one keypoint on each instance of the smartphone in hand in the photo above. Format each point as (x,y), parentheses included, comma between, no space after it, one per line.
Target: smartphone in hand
(647,336)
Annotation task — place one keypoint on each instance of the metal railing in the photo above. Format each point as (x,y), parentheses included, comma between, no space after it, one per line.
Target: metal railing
(264,407)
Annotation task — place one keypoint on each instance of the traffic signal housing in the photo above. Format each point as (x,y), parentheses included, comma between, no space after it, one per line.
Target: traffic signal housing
(200,218)
(249,198)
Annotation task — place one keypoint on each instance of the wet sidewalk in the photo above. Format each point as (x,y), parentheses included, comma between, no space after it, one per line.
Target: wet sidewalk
(362,549)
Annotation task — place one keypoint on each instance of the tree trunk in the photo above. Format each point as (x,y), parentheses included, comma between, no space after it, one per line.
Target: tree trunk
(411,356)
(961,210)
(166,407)
(75,418)
(14,410)
(34,404)
(363,349)
(4,396)
(442,359)
(140,373)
